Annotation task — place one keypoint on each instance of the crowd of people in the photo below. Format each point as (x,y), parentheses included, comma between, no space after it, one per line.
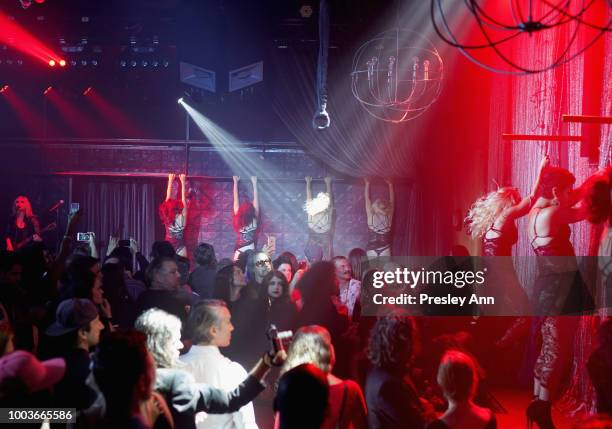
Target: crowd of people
(141,342)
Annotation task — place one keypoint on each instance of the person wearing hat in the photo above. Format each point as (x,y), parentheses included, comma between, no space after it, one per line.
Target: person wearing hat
(77,328)
(24,380)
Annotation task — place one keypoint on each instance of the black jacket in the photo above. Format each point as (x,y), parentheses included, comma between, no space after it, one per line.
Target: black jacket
(392,401)
(185,397)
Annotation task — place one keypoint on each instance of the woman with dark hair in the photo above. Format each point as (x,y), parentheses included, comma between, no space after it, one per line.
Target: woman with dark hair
(85,281)
(229,283)
(287,263)
(115,289)
(23,226)
(202,279)
(320,303)
(173,213)
(380,221)
(558,288)
(247,313)
(392,398)
(245,219)
(320,211)
(279,308)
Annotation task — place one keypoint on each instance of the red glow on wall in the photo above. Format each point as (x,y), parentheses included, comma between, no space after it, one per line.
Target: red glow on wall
(18,38)
(79,122)
(29,117)
(114,116)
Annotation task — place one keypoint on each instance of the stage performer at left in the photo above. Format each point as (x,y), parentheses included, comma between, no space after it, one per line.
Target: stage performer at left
(245,219)
(173,213)
(23,227)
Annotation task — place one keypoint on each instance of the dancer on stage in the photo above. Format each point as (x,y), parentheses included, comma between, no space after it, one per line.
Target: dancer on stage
(173,213)
(380,221)
(558,288)
(493,217)
(23,227)
(320,212)
(245,220)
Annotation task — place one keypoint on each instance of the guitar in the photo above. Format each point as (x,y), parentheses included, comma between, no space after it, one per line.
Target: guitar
(27,240)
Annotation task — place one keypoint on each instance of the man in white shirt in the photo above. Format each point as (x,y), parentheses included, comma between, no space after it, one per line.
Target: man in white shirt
(349,288)
(211,328)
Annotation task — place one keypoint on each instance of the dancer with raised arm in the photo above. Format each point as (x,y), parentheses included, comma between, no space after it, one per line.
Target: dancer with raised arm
(173,213)
(380,221)
(320,218)
(558,288)
(245,219)
(492,217)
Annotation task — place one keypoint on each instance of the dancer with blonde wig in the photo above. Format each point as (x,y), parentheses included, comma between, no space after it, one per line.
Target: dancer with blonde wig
(492,217)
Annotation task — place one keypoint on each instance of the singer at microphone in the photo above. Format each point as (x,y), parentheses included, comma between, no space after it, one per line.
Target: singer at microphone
(56,206)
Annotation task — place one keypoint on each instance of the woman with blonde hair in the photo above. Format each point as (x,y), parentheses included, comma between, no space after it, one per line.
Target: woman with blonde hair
(346,406)
(23,226)
(458,378)
(380,221)
(492,217)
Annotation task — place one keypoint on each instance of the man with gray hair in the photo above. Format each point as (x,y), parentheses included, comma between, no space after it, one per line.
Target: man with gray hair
(211,328)
(183,394)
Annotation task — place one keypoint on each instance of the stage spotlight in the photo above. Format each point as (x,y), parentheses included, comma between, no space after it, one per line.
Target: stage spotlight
(166,63)
(155,63)
(52,63)
(48,90)
(180,100)
(84,63)
(133,63)
(122,63)
(62,63)
(73,63)
(3,89)
(94,63)
(144,63)
(39,1)
(88,91)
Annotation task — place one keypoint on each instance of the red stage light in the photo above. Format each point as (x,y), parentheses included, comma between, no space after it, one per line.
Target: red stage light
(4,88)
(39,1)
(52,63)
(62,63)
(87,91)
(48,90)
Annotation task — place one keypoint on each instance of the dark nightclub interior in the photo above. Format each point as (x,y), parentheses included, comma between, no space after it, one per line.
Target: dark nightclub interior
(216,213)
